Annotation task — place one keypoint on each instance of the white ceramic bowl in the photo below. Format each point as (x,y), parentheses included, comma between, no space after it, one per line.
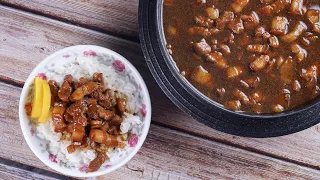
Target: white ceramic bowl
(38,146)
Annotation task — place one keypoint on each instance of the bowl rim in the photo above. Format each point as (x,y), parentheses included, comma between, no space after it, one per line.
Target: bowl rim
(138,78)
(181,92)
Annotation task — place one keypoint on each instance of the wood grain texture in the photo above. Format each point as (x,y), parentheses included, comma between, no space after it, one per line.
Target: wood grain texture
(11,173)
(13,170)
(27,39)
(116,17)
(166,154)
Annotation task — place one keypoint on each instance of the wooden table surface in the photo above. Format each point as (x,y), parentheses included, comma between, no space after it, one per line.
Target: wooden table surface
(177,146)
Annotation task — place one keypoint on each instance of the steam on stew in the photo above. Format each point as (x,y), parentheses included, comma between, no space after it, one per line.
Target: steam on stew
(255,56)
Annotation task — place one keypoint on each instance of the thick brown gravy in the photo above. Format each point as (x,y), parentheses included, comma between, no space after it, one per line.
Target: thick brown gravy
(255,56)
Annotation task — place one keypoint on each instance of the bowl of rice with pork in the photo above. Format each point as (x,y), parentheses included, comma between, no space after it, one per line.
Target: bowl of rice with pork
(85,111)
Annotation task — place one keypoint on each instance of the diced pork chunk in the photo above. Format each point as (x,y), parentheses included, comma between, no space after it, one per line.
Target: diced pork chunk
(204,21)
(217,58)
(296,7)
(202,47)
(224,19)
(274,42)
(313,16)
(258,48)
(279,25)
(301,53)
(280,5)
(202,76)
(212,13)
(234,71)
(259,63)
(295,33)
(238,5)
(233,105)
(250,21)
(236,25)
(287,71)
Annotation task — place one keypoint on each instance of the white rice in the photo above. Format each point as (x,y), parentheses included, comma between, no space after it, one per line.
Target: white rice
(85,66)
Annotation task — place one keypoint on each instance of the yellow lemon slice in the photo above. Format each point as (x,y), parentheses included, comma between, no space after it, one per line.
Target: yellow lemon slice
(37,98)
(46,102)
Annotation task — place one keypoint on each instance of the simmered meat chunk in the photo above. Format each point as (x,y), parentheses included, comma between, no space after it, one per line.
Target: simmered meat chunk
(301,53)
(78,108)
(258,48)
(280,5)
(274,42)
(259,63)
(97,162)
(238,5)
(233,105)
(202,47)
(65,89)
(58,120)
(96,124)
(121,105)
(116,120)
(217,58)
(236,25)
(98,77)
(204,21)
(81,82)
(202,76)
(54,88)
(105,114)
(279,25)
(242,96)
(287,71)
(212,13)
(295,33)
(93,111)
(80,119)
(85,89)
(224,19)
(102,137)
(251,21)
(78,133)
(234,71)
(297,7)
(313,16)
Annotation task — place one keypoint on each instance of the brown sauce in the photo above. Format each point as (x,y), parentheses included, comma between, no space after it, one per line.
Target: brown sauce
(257,56)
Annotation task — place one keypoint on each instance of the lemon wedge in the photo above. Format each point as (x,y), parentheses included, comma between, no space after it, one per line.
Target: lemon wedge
(37,98)
(46,102)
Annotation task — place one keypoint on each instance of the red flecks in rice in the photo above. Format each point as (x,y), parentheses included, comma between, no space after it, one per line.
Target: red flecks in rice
(83,168)
(89,53)
(53,158)
(143,110)
(118,65)
(133,140)
(32,132)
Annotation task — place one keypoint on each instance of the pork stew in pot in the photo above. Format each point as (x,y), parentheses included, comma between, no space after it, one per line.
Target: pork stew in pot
(253,56)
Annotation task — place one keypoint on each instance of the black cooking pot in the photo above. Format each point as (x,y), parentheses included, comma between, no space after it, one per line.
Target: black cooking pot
(193,102)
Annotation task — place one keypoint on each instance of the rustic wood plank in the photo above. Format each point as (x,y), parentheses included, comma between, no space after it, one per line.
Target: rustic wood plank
(13,170)
(27,39)
(166,154)
(115,17)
